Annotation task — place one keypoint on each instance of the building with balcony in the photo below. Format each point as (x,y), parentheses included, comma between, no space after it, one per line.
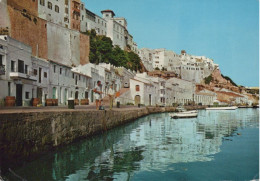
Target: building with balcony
(17,78)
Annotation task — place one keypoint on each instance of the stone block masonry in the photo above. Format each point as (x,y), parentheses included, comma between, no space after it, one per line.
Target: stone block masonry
(28,134)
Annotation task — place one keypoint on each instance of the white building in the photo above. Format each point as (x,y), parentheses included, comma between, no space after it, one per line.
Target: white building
(126,76)
(183,90)
(41,69)
(147,57)
(67,82)
(205,97)
(116,29)
(90,20)
(55,11)
(16,76)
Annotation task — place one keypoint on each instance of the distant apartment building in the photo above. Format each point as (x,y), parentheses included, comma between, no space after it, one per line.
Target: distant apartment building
(90,20)
(147,57)
(54,11)
(116,28)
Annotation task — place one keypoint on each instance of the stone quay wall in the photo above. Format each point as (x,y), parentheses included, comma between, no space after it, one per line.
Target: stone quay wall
(28,134)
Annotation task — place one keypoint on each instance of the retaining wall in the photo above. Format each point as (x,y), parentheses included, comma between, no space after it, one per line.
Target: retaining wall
(25,135)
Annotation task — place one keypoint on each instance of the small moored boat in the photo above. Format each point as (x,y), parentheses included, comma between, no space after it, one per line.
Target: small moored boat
(186,114)
(222,108)
(183,113)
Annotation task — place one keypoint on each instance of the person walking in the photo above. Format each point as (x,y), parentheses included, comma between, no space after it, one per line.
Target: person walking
(111,94)
(98,93)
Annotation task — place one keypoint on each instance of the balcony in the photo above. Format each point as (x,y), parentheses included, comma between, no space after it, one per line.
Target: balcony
(2,69)
(19,75)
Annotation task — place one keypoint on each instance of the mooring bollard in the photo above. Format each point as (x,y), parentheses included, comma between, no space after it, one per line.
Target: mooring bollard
(71,103)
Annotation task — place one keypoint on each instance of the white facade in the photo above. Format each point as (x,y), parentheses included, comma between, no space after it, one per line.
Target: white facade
(90,20)
(205,97)
(17,79)
(41,69)
(126,76)
(116,29)
(55,11)
(147,57)
(183,91)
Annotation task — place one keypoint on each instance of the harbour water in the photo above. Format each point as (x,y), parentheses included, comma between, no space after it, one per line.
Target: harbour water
(218,145)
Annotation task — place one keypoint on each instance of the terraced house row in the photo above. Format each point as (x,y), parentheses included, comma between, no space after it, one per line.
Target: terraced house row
(43,44)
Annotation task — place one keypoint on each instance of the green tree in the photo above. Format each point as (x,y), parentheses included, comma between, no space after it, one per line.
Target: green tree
(102,50)
(208,79)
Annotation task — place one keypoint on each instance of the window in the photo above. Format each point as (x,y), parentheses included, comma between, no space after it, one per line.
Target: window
(45,74)
(67,10)
(9,88)
(82,17)
(57,9)
(1,59)
(66,2)
(34,71)
(65,19)
(12,66)
(73,75)
(60,70)
(20,66)
(27,95)
(137,88)
(49,5)
(26,69)
(79,77)
(54,68)
(42,2)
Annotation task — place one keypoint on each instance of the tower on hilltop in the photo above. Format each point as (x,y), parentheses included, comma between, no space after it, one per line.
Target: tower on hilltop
(108,14)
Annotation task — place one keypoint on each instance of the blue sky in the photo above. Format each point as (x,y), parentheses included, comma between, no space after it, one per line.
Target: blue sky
(225,30)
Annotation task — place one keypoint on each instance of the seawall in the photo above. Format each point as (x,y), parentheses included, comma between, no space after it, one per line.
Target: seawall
(25,135)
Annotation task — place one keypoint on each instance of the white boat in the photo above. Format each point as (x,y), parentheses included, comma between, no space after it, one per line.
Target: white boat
(222,108)
(186,114)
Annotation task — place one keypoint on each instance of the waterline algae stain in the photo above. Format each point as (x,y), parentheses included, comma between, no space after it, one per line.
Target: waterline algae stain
(218,145)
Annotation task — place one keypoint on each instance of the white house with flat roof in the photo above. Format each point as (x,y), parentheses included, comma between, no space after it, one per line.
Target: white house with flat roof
(16,76)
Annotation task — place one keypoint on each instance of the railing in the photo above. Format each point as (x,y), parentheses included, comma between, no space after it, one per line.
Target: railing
(2,69)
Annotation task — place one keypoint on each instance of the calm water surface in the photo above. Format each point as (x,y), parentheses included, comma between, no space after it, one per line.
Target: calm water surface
(218,145)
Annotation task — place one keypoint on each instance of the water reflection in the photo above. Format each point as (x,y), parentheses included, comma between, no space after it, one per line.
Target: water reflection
(151,143)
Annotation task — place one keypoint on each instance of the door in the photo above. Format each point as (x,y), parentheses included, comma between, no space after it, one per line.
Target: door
(92,96)
(39,94)
(19,94)
(86,95)
(76,95)
(40,75)
(54,93)
(137,100)
(65,96)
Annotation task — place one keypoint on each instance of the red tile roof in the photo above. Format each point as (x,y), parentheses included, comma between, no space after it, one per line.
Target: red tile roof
(108,10)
